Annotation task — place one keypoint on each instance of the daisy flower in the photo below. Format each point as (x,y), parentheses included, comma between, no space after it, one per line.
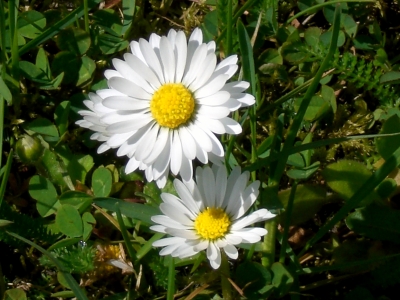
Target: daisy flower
(165,104)
(208,214)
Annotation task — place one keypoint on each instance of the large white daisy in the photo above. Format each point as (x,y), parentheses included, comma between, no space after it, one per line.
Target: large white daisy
(165,102)
(208,214)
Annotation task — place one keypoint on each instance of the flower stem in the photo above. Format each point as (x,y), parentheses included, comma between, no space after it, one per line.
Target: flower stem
(171,279)
(269,243)
(225,284)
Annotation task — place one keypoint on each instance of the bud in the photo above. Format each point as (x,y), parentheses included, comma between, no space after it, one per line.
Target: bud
(29,149)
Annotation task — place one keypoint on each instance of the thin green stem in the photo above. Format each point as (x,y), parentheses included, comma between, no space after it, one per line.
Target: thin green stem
(171,279)
(269,243)
(3,54)
(1,129)
(312,8)
(124,232)
(148,246)
(229,29)
(225,284)
(288,215)
(6,173)
(86,14)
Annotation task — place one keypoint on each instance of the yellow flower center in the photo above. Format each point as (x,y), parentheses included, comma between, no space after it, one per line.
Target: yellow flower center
(172,105)
(212,224)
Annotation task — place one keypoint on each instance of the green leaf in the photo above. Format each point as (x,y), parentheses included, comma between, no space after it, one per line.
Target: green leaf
(376,222)
(110,44)
(390,77)
(350,26)
(327,36)
(295,52)
(308,200)
(316,109)
(5,91)
(31,24)
(303,173)
(79,167)
(387,145)
(328,94)
(74,40)
(210,24)
(86,71)
(81,201)
(67,63)
(69,221)
(88,222)
(42,126)
(128,10)
(42,62)
(109,21)
(311,36)
(133,210)
(345,177)
(61,116)
(32,72)
(43,191)
(101,182)
(15,294)
(281,279)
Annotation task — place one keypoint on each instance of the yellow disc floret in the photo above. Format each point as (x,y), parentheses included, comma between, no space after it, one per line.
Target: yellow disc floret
(172,105)
(213,223)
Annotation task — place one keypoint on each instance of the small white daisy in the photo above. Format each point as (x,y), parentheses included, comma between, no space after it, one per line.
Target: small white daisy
(208,215)
(165,102)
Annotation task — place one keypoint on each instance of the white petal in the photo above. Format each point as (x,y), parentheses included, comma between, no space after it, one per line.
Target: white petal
(246,221)
(168,222)
(231,251)
(131,166)
(188,143)
(159,145)
(195,64)
(168,241)
(202,245)
(145,145)
(187,234)
(233,177)
(179,214)
(201,138)
(212,251)
(249,196)
(186,197)
(145,71)
(180,55)
(233,239)
(213,112)
(167,59)
(234,201)
(135,48)
(125,103)
(213,125)
(130,125)
(187,206)
(244,99)
(176,154)
(151,59)
(170,249)
(220,183)
(128,88)
(204,72)
(158,228)
(231,126)
(212,86)
(127,71)
(111,73)
(161,164)
(186,170)
(209,186)
(215,99)
(231,60)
